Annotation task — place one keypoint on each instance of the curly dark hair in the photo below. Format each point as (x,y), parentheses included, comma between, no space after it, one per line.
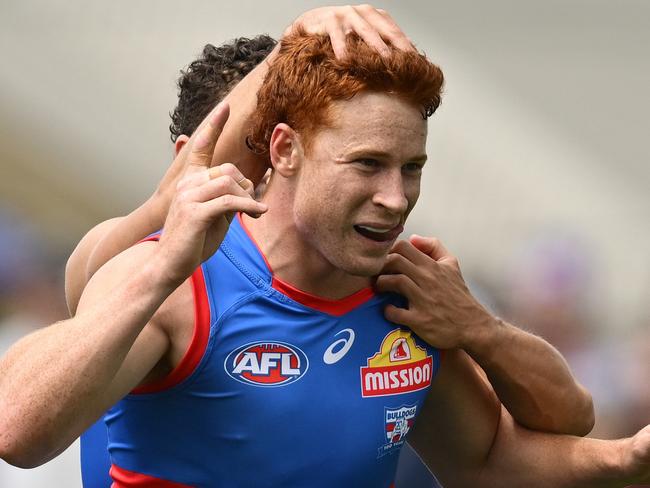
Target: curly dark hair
(208,79)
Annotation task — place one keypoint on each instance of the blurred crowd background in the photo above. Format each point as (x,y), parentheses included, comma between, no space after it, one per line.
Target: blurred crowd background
(538,175)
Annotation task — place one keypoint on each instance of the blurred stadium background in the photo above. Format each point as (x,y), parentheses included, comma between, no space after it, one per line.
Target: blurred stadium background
(538,175)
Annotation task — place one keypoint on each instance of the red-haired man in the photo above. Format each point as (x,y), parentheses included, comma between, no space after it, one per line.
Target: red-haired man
(263,352)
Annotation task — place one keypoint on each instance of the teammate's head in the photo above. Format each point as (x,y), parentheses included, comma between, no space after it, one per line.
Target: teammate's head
(209,78)
(347,141)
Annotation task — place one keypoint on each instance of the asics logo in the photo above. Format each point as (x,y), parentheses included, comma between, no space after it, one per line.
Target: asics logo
(342,347)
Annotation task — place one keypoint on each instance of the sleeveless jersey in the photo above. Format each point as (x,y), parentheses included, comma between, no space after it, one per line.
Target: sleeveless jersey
(278,388)
(94,459)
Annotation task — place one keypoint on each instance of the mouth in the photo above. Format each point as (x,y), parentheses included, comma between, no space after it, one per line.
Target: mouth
(379,233)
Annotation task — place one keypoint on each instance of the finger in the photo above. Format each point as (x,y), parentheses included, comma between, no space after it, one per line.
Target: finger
(398,315)
(396,283)
(192,180)
(386,27)
(430,246)
(398,264)
(368,33)
(410,252)
(212,189)
(336,34)
(205,139)
(229,204)
(228,169)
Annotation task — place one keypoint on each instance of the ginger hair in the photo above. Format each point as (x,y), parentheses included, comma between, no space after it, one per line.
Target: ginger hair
(306,77)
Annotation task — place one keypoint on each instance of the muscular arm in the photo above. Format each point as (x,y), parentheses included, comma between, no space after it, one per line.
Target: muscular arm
(532,379)
(529,376)
(467,438)
(55,382)
(523,457)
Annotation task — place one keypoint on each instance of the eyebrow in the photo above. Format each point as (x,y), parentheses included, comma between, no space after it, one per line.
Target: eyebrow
(421,158)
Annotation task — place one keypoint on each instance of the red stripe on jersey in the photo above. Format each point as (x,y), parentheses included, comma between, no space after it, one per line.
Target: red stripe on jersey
(151,238)
(197,346)
(123,478)
(332,307)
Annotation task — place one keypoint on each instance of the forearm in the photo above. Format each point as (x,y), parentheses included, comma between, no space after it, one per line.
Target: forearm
(55,382)
(231,146)
(75,269)
(521,457)
(531,379)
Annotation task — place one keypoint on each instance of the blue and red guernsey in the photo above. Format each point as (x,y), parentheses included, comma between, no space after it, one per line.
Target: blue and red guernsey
(278,388)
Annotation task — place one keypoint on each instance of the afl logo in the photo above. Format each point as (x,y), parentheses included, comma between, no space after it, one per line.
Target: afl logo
(267,364)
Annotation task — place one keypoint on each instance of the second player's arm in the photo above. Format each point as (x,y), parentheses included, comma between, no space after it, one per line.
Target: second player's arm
(57,381)
(529,375)
(465,436)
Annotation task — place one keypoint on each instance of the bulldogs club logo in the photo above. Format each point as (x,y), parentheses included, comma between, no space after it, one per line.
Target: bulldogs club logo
(398,423)
(400,366)
(267,364)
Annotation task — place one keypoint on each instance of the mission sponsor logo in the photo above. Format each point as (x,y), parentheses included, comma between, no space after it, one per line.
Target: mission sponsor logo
(398,423)
(267,364)
(400,366)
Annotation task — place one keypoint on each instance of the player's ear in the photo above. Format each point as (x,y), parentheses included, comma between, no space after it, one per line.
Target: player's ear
(180,142)
(285,150)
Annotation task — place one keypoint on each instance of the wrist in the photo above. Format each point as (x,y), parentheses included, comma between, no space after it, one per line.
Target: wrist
(161,274)
(483,338)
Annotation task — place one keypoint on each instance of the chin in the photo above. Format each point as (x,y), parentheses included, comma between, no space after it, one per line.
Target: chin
(366,268)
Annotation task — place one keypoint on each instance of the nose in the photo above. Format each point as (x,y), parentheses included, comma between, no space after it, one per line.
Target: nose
(390,192)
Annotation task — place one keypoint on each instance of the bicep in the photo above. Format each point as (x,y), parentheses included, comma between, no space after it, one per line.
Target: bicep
(151,343)
(456,428)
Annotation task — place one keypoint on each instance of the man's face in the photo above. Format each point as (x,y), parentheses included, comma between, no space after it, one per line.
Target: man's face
(359,181)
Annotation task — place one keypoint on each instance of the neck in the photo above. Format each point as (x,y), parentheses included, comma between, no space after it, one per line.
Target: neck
(294,260)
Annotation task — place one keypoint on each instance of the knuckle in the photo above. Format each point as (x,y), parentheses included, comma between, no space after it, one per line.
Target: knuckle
(222,183)
(183,197)
(183,182)
(397,259)
(227,201)
(228,167)
(401,245)
(394,32)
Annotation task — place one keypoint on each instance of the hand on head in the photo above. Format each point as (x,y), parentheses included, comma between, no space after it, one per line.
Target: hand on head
(373,25)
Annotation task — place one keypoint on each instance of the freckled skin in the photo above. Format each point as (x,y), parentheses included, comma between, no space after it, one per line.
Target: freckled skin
(334,191)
